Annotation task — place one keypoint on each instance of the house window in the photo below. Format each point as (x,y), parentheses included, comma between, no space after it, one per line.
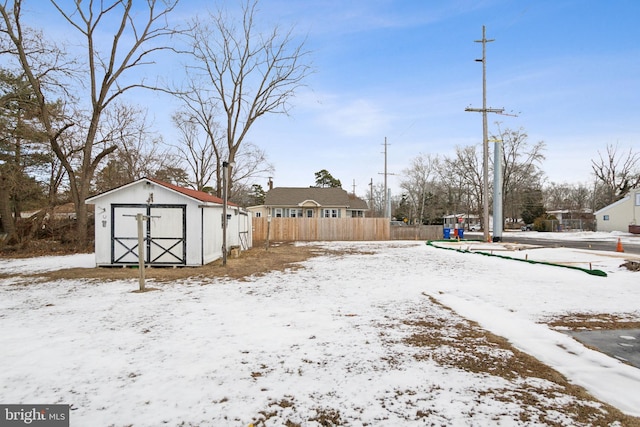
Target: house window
(637,199)
(278,212)
(332,213)
(309,213)
(605,217)
(258,214)
(295,213)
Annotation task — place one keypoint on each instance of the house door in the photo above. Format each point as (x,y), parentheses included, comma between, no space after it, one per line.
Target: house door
(164,234)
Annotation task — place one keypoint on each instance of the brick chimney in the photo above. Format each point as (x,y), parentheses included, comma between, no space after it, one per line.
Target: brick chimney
(270,184)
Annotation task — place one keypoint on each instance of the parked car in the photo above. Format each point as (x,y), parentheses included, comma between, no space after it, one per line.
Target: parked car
(474,227)
(398,223)
(527,227)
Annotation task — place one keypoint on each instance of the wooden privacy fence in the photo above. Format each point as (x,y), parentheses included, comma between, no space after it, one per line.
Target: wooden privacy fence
(328,229)
(416,232)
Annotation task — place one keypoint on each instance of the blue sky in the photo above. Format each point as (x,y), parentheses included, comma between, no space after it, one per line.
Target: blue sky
(406,70)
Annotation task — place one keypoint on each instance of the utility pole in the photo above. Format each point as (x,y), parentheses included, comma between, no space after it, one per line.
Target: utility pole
(497,191)
(387,198)
(371,207)
(225,201)
(485,141)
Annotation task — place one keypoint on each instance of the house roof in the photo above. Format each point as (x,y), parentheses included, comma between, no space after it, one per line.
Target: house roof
(194,194)
(295,196)
(614,204)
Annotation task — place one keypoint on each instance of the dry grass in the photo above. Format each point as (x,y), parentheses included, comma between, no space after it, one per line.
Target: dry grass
(253,262)
(593,321)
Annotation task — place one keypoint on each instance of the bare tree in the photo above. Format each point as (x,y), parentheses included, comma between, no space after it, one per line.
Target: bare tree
(377,198)
(418,178)
(521,168)
(200,137)
(249,74)
(251,162)
(574,197)
(202,149)
(136,37)
(617,173)
(461,176)
(139,152)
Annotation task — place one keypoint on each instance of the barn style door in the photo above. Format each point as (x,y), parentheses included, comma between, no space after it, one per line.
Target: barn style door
(164,233)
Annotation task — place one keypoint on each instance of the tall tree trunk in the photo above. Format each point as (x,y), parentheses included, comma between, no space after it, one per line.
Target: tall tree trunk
(8,222)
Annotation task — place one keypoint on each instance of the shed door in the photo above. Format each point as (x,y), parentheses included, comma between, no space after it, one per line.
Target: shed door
(164,234)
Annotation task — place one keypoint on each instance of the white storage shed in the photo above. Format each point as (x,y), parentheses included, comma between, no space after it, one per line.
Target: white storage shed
(182,227)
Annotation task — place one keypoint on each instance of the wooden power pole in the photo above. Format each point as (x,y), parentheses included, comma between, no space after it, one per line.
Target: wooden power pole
(387,198)
(485,140)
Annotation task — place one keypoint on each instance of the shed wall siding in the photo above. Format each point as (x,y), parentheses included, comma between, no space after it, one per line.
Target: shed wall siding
(211,238)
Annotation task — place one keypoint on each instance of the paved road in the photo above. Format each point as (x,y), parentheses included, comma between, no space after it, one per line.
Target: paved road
(598,245)
(623,344)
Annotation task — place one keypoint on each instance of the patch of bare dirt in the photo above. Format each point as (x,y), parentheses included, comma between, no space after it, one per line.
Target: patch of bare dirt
(593,321)
(631,265)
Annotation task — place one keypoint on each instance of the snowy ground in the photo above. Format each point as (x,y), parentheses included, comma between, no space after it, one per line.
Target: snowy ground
(323,345)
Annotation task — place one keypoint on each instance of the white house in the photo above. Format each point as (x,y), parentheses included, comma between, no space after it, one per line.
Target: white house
(182,226)
(623,215)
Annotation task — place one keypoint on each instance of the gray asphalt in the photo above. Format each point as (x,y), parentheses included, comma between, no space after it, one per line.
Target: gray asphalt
(623,344)
(596,245)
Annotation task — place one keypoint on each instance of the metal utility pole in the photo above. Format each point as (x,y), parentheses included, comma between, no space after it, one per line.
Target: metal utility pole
(485,141)
(497,191)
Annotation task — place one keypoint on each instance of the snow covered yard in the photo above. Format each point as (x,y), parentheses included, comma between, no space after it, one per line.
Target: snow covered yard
(382,334)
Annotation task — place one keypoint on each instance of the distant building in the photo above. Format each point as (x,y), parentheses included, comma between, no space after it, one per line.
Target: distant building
(568,220)
(462,220)
(623,215)
(310,202)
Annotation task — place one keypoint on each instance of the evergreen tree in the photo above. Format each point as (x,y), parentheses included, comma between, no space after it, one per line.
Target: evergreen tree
(532,206)
(324,179)
(257,194)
